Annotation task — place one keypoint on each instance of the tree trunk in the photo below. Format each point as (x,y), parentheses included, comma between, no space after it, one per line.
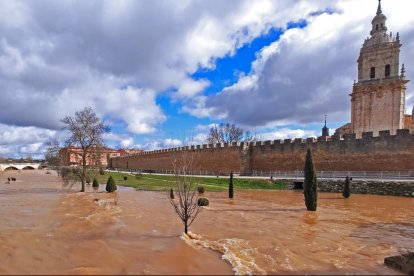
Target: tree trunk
(83,177)
(185,228)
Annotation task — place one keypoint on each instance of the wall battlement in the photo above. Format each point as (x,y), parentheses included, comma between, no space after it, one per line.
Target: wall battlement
(370,153)
(334,140)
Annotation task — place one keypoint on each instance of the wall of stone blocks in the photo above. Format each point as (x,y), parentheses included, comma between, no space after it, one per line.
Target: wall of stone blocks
(211,158)
(383,153)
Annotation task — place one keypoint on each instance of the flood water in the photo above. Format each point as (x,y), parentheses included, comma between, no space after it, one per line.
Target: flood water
(48,228)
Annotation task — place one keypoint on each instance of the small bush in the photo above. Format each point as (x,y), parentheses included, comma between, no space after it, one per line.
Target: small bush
(138,176)
(171,193)
(95,183)
(231,185)
(111,185)
(64,172)
(88,179)
(75,171)
(202,201)
(125,178)
(347,191)
(200,190)
(101,171)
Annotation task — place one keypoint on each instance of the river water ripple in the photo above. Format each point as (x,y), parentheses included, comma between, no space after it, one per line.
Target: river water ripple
(48,228)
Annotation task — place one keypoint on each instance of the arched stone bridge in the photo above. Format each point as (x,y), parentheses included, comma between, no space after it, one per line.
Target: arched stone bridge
(21,166)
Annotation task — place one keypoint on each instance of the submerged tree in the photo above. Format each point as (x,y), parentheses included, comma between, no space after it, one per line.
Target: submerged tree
(347,191)
(231,185)
(228,133)
(310,185)
(186,203)
(95,184)
(52,154)
(86,131)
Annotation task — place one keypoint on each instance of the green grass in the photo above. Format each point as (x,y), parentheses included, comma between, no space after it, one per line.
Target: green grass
(165,182)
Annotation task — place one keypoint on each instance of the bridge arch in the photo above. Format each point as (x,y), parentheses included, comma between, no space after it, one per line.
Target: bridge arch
(11,168)
(28,168)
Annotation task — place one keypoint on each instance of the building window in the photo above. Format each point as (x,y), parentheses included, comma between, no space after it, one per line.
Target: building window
(387,70)
(372,72)
(377,27)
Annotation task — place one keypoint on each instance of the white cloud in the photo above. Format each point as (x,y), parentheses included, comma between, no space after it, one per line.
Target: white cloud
(287,133)
(24,141)
(190,88)
(156,144)
(309,72)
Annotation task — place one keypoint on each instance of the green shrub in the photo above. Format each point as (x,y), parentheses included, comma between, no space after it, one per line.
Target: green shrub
(125,178)
(75,171)
(231,185)
(95,183)
(88,179)
(138,176)
(310,185)
(101,171)
(110,185)
(347,191)
(202,201)
(64,172)
(200,190)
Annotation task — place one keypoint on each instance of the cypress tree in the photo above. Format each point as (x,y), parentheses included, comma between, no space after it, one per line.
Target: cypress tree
(310,185)
(231,185)
(171,193)
(95,184)
(347,191)
(110,185)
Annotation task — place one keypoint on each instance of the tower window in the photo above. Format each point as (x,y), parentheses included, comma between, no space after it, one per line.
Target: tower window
(377,27)
(372,72)
(387,70)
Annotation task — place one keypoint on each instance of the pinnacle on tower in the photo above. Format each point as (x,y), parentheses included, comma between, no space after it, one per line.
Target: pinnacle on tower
(379,10)
(403,72)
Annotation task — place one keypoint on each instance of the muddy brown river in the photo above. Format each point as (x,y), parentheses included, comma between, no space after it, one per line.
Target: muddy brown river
(48,228)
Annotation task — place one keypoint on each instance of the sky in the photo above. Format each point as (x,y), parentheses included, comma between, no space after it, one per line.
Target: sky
(161,72)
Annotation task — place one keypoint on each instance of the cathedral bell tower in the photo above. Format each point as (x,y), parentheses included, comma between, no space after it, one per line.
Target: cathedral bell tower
(378,98)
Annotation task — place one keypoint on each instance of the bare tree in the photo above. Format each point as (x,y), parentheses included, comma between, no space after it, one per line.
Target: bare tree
(228,133)
(186,202)
(52,154)
(86,131)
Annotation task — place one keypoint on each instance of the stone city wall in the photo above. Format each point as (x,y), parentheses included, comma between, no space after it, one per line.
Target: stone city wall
(383,153)
(390,188)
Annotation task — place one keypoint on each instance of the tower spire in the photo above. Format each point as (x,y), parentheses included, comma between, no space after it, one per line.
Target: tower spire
(325,129)
(379,10)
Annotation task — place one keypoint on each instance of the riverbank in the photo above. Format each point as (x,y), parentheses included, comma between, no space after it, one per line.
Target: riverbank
(154,182)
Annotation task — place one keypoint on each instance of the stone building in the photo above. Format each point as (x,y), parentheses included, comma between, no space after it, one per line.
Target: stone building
(378,97)
(72,156)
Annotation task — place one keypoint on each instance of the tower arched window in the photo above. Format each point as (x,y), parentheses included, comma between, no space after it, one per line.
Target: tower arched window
(372,72)
(377,27)
(387,70)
